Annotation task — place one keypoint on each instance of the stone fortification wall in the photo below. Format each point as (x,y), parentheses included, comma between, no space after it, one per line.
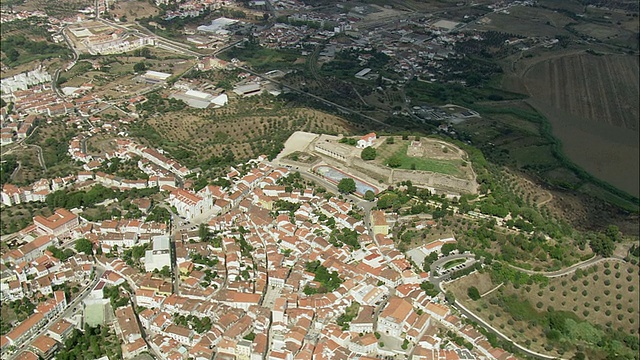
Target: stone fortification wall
(436,181)
(428,179)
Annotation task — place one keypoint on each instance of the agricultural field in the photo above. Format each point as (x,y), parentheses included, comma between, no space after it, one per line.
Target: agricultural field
(246,128)
(56,8)
(132,10)
(526,21)
(595,117)
(570,314)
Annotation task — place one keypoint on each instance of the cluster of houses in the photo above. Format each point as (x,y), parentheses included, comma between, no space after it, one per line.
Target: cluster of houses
(252,283)
(12,130)
(255,300)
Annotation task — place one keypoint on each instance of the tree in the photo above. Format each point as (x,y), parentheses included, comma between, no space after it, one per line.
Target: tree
(85,246)
(347,186)
(369,195)
(450,297)
(613,233)
(448,248)
(602,245)
(139,67)
(368,153)
(394,161)
(203,232)
(473,293)
(429,289)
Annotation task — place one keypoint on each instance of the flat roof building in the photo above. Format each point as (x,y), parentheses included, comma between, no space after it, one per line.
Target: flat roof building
(160,255)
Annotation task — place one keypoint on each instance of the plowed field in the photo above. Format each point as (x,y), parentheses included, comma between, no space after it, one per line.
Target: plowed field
(592,103)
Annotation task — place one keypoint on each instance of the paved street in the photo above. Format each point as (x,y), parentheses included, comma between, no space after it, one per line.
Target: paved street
(72,307)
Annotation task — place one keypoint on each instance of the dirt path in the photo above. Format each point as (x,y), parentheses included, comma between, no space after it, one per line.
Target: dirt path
(551,274)
(492,290)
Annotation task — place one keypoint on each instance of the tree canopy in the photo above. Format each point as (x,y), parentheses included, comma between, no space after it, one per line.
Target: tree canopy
(347,186)
(368,153)
(85,246)
(473,293)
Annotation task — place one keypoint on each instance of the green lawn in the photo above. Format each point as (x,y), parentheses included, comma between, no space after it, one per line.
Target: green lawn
(424,164)
(453,263)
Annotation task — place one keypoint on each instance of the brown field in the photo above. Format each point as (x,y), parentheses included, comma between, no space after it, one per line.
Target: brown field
(527,21)
(598,88)
(610,301)
(134,10)
(60,9)
(519,331)
(592,104)
(592,297)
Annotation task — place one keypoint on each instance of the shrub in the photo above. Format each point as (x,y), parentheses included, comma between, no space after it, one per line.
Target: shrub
(606,265)
(630,288)
(585,282)
(585,313)
(607,282)
(617,275)
(473,293)
(607,292)
(629,278)
(607,272)
(596,308)
(584,293)
(607,312)
(620,316)
(616,266)
(539,305)
(619,306)
(368,153)
(595,277)
(618,296)
(552,288)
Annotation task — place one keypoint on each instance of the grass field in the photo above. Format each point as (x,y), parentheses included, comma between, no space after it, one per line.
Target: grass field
(399,151)
(453,263)
(264,59)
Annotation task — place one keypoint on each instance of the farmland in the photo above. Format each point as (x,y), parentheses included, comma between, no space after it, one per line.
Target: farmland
(571,313)
(595,117)
(54,7)
(246,128)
